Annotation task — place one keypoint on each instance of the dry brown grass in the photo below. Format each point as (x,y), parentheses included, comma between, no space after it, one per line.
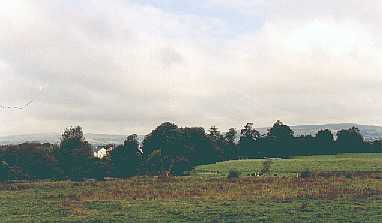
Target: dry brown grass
(249,188)
(75,195)
(279,189)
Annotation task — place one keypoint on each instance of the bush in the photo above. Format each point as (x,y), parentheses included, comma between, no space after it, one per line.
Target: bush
(306,174)
(349,175)
(233,175)
(266,168)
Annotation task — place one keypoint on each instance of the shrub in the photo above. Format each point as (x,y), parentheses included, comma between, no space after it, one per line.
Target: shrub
(306,173)
(233,175)
(266,168)
(349,175)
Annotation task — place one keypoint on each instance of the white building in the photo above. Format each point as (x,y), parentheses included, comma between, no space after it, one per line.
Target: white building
(102,153)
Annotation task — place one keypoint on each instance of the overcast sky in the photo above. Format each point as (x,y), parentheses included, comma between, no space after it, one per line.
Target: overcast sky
(126,66)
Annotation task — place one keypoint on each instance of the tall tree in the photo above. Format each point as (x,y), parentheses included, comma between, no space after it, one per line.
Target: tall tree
(280,140)
(126,158)
(164,146)
(217,142)
(214,134)
(75,153)
(164,134)
(324,142)
(281,131)
(230,147)
(199,148)
(230,136)
(248,139)
(349,140)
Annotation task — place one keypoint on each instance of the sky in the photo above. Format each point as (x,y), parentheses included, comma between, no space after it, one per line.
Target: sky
(124,67)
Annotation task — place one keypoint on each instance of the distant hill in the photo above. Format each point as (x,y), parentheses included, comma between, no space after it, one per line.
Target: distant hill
(94,139)
(369,132)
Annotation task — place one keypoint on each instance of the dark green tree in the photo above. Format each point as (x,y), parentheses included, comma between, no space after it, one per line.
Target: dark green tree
(126,158)
(281,131)
(4,171)
(230,148)
(214,134)
(75,154)
(178,149)
(31,161)
(247,143)
(280,140)
(230,136)
(199,147)
(349,141)
(166,133)
(324,142)
(302,145)
(162,147)
(374,146)
(217,142)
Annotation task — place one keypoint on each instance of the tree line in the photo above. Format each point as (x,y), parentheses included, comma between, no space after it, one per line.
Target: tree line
(170,149)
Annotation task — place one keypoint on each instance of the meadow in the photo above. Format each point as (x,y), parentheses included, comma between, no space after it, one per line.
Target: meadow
(211,197)
(356,163)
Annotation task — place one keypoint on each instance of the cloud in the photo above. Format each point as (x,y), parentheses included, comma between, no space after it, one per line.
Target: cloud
(125,67)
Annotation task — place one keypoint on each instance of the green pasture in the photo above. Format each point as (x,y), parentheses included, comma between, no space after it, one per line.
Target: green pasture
(326,163)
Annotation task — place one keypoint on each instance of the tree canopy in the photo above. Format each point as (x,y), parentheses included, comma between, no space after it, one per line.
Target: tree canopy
(170,149)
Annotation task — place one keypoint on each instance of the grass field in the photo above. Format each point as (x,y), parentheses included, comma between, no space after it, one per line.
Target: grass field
(200,198)
(343,162)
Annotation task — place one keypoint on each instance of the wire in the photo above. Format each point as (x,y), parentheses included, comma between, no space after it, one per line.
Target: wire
(17,107)
(22,107)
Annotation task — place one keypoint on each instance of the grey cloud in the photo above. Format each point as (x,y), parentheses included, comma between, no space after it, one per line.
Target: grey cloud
(125,67)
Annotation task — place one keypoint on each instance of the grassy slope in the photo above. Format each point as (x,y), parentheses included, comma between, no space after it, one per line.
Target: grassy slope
(344,162)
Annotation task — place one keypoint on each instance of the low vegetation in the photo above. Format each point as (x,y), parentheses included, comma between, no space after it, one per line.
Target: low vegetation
(195,199)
